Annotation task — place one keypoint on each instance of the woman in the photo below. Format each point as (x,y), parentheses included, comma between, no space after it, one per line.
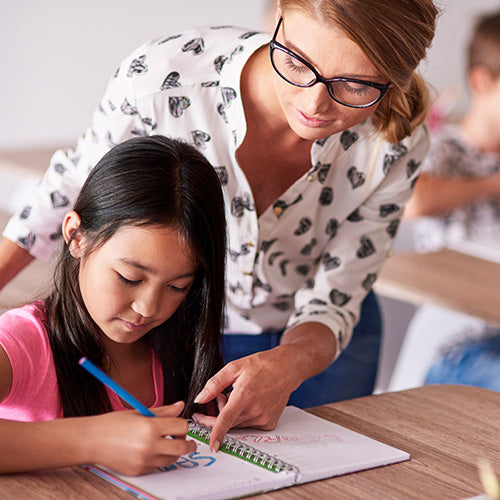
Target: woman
(317,138)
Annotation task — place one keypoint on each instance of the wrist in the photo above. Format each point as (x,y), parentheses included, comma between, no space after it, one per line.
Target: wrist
(312,348)
(75,440)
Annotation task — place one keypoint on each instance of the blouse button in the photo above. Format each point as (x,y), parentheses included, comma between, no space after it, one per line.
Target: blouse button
(246,273)
(278,211)
(311,177)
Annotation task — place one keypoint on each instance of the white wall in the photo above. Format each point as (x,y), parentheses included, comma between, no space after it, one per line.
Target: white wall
(57,56)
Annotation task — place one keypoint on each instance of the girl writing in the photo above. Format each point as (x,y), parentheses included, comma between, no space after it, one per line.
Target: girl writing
(317,132)
(138,289)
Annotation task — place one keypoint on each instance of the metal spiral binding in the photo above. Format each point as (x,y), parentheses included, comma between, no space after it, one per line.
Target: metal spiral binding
(240,449)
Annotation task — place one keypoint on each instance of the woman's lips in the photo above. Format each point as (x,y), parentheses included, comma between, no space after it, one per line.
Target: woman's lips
(310,121)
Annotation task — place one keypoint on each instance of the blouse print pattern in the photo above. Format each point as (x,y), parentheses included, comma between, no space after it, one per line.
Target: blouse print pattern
(311,256)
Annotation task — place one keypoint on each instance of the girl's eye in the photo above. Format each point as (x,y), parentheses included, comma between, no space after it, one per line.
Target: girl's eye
(128,282)
(182,290)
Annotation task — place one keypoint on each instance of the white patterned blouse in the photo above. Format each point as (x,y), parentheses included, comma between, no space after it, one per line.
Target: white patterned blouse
(314,254)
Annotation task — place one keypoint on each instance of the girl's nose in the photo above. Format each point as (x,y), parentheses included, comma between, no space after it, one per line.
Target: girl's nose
(146,304)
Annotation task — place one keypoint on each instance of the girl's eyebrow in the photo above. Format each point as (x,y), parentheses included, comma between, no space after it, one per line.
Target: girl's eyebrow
(138,265)
(147,269)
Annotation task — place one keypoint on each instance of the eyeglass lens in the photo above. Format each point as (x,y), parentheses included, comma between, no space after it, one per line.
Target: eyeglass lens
(296,72)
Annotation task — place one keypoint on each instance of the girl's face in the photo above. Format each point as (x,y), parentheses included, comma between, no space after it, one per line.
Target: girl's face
(136,280)
(311,113)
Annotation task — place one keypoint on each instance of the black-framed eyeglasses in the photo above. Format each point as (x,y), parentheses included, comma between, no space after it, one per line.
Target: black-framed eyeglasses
(346,91)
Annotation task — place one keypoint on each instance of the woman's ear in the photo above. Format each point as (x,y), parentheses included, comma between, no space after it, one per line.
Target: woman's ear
(71,235)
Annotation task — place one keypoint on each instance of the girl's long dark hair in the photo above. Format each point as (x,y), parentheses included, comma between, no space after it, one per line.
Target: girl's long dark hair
(148,180)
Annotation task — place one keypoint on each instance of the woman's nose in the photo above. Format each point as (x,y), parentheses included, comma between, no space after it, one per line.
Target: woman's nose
(318,99)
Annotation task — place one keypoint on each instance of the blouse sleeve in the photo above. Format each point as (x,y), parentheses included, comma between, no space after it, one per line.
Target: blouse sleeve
(360,244)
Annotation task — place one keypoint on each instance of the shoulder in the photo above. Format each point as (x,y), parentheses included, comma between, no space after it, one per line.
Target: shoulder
(23,331)
(414,146)
(362,144)
(186,58)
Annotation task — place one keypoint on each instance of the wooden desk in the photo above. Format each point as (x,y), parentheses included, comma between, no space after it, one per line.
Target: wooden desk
(444,428)
(31,159)
(446,278)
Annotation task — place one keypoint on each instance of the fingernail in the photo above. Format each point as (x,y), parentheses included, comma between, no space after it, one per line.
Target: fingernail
(194,417)
(200,396)
(216,446)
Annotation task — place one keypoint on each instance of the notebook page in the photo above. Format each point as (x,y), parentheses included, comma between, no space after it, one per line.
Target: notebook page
(319,448)
(205,475)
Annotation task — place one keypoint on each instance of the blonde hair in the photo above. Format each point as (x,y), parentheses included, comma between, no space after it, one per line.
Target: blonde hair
(395,36)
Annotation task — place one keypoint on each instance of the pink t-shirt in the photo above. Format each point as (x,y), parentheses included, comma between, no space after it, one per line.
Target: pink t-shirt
(34,394)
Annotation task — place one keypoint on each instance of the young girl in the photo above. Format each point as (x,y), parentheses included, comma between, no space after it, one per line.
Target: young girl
(317,133)
(139,290)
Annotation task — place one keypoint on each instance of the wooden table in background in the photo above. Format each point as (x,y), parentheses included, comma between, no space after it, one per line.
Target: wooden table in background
(445,429)
(446,278)
(32,159)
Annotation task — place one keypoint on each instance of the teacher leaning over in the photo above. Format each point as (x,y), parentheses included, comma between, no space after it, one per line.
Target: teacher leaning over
(317,136)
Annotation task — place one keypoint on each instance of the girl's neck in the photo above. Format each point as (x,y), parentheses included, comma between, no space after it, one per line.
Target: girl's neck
(131,367)
(123,356)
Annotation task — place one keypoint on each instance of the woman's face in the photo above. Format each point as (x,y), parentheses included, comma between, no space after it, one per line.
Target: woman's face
(311,113)
(136,280)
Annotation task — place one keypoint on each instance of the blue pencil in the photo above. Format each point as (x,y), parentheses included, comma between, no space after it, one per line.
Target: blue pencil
(120,391)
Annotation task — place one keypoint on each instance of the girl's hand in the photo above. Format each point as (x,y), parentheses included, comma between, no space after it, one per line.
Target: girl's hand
(132,444)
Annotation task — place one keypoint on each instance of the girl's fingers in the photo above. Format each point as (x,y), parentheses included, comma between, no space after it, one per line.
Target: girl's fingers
(170,455)
(176,427)
(172,410)
(207,420)
(177,447)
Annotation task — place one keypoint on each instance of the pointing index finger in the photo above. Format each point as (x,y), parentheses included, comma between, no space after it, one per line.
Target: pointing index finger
(225,421)
(215,385)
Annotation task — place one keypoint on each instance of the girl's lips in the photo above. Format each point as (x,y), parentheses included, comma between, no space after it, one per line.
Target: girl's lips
(132,326)
(310,121)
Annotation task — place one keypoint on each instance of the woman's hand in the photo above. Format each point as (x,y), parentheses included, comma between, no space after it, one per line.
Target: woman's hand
(261,388)
(262,382)
(133,444)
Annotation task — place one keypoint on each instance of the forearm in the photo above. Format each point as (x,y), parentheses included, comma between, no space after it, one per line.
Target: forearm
(13,259)
(435,195)
(44,445)
(124,441)
(312,347)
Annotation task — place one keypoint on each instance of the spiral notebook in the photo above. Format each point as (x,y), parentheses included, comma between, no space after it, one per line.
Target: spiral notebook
(302,448)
